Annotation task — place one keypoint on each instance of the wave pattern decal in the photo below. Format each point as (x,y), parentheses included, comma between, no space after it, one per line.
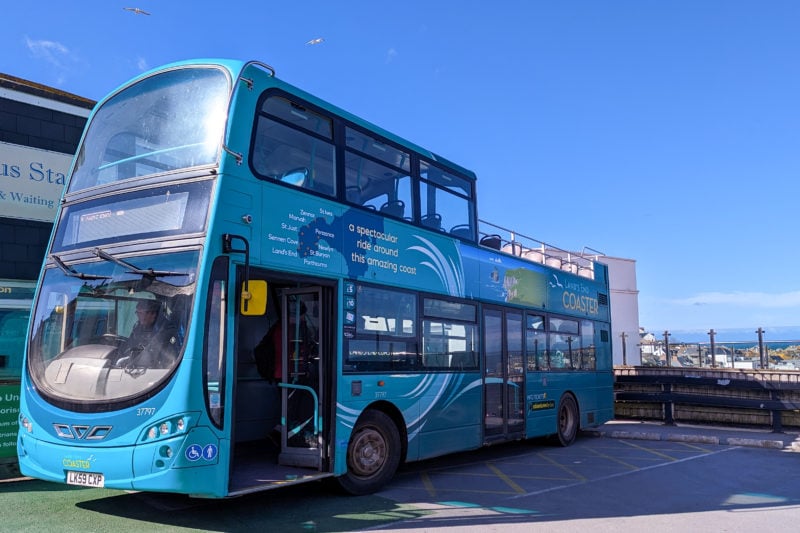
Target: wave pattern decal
(431,396)
(449,270)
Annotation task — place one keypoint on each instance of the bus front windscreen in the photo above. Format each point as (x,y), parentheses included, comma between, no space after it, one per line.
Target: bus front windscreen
(168,121)
(108,332)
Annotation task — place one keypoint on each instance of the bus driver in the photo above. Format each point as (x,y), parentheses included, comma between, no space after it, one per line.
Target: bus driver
(152,342)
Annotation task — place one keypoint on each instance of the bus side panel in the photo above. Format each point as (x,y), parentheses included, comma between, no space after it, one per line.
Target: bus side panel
(442,411)
(605,397)
(543,391)
(593,392)
(452,424)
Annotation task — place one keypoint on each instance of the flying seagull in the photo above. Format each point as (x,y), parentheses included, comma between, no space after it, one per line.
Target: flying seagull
(136,10)
(315,41)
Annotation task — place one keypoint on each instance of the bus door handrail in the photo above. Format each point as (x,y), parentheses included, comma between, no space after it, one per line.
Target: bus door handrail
(317,423)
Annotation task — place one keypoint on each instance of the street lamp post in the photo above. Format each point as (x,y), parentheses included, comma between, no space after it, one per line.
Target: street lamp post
(624,349)
(711,335)
(762,357)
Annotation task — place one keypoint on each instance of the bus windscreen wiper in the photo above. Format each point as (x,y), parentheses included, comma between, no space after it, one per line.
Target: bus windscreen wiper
(149,272)
(71,272)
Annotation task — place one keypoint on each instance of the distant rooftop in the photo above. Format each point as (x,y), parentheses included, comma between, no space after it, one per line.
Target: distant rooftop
(36,89)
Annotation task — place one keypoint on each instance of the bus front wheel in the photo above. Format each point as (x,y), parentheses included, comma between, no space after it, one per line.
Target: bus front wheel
(568,422)
(373,454)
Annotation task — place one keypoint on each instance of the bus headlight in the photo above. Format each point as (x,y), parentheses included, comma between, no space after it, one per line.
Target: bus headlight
(169,427)
(26,423)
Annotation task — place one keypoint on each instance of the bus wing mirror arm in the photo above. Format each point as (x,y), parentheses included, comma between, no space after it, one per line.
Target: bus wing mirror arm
(227,248)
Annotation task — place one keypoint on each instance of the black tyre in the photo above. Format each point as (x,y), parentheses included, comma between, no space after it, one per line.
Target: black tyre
(373,454)
(568,421)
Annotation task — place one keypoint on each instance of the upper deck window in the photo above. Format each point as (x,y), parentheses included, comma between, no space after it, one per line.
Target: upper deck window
(304,146)
(377,175)
(298,116)
(377,149)
(169,121)
(446,201)
(293,145)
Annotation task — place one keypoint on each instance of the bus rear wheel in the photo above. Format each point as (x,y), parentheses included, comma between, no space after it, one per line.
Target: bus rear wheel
(568,422)
(373,454)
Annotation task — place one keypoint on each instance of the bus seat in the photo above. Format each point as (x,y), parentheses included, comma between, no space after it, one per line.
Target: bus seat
(553,261)
(434,360)
(353,194)
(513,248)
(462,231)
(534,255)
(296,177)
(394,208)
(464,360)
(492,241)
(432,221)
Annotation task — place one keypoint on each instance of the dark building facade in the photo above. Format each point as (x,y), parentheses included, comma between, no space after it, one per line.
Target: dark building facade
(34,117)
(39,132)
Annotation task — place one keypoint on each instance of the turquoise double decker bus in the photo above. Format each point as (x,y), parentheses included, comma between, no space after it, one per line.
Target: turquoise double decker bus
(248,287)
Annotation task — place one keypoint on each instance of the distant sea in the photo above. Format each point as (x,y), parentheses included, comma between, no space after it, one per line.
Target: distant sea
(785,333)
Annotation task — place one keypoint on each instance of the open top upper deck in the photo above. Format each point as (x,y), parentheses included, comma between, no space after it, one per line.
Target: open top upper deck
(286,136)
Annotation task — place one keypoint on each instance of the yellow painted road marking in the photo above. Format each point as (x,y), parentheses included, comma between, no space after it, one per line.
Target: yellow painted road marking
(567,469)
(507,480)
(611,458)
(654,452)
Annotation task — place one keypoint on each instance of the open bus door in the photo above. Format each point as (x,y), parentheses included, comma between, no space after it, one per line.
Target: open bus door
(280,426)
(301,379)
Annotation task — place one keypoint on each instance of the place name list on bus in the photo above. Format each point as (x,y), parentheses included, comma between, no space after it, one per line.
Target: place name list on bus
(302,236)
(379,250)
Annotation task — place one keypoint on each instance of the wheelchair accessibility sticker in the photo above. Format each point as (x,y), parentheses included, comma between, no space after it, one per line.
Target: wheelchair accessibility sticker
(195,452)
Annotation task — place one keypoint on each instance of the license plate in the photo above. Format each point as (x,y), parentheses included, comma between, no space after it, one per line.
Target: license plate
(85,479)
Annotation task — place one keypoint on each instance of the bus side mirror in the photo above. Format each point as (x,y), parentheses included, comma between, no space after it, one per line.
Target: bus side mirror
(253,302)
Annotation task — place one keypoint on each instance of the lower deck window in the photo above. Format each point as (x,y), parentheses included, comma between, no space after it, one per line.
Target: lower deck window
(385,336)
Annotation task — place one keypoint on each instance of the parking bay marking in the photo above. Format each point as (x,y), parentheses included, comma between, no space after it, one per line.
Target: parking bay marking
(620,474)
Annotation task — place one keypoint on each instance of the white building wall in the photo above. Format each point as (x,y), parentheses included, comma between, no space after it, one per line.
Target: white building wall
(624,297)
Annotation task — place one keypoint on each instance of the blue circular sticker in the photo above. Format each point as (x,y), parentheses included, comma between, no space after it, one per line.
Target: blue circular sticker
(209,452)
(194,452)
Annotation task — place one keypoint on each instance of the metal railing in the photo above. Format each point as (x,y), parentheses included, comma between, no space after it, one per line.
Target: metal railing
(756,354)
(739,397)
(517,244)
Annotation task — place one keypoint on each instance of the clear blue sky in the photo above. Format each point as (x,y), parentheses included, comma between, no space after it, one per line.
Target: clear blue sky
(667,132)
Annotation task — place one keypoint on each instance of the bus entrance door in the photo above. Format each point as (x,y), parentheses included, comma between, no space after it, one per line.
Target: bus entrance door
(301,382)
(504,376)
